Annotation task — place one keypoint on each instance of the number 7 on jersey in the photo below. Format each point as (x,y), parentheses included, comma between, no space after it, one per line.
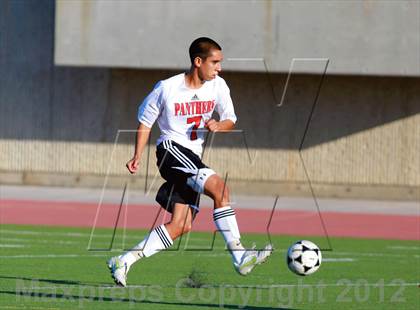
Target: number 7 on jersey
(196,120)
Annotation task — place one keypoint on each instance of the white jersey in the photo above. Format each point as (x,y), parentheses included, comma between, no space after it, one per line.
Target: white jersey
(181,112)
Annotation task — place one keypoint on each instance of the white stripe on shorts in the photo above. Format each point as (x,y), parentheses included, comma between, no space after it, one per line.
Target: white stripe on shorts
(183,155)
(179,156)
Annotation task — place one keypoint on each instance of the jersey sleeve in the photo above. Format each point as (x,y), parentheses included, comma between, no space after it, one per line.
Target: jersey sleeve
(150,108)
(224,106)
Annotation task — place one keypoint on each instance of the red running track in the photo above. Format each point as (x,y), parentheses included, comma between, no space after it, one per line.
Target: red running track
(383,226)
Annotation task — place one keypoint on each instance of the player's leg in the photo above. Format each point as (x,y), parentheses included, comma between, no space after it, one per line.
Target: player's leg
(224,216)
(160,238)
(181,221)
(171,197)
(217,190)
(225,220)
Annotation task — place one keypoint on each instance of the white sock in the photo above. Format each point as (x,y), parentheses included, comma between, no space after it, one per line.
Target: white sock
(225,221)
(157,240)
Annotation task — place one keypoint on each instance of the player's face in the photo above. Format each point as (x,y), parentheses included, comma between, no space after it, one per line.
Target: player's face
(211,67)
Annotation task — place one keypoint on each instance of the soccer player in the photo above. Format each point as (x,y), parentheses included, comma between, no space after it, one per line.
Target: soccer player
(182,106)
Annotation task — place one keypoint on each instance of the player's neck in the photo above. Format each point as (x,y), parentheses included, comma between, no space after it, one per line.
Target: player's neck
(192,80)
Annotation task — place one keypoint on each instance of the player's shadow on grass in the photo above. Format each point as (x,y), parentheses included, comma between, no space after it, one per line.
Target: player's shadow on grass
(76,298)
(53,281)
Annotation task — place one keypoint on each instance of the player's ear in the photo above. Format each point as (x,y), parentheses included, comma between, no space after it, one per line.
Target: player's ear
(198,61)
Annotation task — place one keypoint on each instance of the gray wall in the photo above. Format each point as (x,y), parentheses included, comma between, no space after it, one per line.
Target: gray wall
(62,120)
(359,37)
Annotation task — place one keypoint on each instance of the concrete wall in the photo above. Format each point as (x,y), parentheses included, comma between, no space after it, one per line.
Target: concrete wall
(58,124)
(359,37)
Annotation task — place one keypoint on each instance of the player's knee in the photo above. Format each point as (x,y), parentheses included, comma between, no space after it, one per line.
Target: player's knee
(218,191)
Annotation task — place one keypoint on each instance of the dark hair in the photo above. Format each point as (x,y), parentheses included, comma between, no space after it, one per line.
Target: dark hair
(202,47)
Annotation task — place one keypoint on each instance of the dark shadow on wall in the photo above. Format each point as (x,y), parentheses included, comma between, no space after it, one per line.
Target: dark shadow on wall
(346,105)
(44,102)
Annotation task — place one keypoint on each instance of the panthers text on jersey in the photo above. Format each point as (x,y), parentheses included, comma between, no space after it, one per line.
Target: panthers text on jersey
(181,112)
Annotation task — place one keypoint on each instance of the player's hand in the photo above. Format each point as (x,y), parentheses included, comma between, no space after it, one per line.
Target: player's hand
(133,164)
(212,125)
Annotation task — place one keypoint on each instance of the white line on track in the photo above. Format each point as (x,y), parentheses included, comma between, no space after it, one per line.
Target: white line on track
(41,233)
(5,245)
(53,255)
(56,234)
(78,235)
(401,247)
(341,259)
(135,236)
(105,245)
(369,254)
(60,242)
(37,240)
(180,252)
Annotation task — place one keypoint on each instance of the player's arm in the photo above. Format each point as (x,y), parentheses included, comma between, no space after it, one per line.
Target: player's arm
(213,125)
(147,115)
(142,137)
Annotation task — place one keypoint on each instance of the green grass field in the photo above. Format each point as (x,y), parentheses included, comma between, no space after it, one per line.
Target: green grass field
(51,268)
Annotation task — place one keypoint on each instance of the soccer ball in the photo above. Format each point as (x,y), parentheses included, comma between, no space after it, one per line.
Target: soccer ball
(304,257)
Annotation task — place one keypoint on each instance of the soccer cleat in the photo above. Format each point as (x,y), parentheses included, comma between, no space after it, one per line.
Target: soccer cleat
(263,255)
(248,262)
(118,270)
(252,258)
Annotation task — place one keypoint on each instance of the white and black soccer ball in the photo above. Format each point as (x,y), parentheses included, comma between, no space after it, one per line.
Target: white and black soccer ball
(304,257)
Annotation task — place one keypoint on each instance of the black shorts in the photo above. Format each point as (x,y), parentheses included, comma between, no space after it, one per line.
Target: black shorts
(181,168)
